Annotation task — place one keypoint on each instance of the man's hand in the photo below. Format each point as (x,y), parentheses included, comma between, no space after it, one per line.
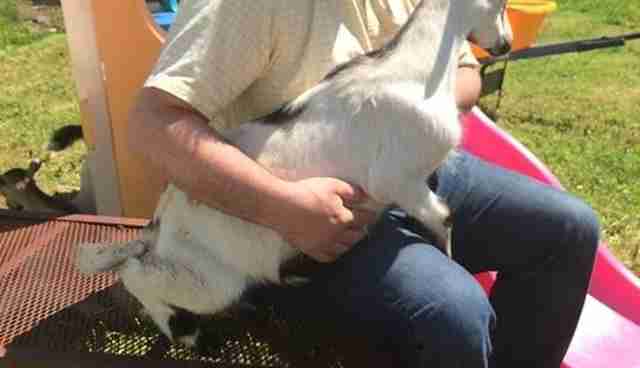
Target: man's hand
(315,215)
(324,222)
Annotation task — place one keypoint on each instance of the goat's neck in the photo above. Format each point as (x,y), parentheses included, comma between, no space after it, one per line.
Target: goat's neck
(427,47)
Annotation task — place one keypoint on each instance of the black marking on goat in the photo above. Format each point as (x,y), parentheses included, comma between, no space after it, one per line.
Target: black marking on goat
(283,115)
(360,60)
(363,59)
(183,322)
(300,266)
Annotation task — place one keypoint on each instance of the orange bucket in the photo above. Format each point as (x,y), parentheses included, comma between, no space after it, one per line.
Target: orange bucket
(526,18)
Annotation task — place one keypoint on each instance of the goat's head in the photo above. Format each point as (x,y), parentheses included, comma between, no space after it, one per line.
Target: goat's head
(491,29)
(21,192)
(19,178)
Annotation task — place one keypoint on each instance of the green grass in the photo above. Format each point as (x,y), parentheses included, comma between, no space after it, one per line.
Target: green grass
(13,33)
(620,13)
(37,95)
(579,113)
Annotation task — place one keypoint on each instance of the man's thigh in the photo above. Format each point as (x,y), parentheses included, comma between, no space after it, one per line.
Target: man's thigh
(402,292)
(503,220)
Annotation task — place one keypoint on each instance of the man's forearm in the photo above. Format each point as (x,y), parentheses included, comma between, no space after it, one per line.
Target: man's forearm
(468,87)
(179,142)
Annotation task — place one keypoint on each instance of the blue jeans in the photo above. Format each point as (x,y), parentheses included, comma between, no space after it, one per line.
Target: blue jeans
(429,311)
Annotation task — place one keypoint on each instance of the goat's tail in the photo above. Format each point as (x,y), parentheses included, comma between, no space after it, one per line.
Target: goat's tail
(93,258)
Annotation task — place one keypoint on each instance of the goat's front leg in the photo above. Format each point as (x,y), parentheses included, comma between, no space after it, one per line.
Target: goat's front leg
(425,206)
(411,193)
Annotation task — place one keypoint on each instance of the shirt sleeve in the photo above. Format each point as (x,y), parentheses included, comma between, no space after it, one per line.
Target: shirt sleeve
(215,50)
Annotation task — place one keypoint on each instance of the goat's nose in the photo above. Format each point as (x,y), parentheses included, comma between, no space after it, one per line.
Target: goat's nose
(501,49)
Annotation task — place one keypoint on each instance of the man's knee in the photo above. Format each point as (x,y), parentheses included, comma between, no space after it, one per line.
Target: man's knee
(581,228)
(452,330)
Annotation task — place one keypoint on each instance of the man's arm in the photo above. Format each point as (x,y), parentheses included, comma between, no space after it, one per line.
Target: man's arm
(468,87)
(310,214)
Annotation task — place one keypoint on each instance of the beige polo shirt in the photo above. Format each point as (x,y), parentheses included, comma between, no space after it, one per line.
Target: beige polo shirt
(236,60)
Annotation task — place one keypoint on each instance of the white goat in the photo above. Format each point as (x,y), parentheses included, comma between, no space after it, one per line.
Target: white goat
(367,122)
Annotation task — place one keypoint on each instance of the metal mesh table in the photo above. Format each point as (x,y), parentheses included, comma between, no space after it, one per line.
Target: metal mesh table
(51,313)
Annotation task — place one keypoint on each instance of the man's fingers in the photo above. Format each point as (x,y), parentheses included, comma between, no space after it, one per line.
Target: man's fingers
(346,216)
(363,218)
(350,194)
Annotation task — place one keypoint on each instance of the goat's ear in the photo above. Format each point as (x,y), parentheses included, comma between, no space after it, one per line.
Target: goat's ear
(93,258)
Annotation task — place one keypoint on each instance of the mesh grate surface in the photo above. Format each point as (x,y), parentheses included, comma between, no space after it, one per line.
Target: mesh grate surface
(48,306)
(36,269)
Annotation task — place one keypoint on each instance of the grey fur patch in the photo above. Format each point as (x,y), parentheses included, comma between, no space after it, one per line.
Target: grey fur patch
(95,258)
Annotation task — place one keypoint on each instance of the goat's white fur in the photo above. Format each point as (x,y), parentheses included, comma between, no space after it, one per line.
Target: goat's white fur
(369,124)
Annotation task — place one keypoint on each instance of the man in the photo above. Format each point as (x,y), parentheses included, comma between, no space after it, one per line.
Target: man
(230,61)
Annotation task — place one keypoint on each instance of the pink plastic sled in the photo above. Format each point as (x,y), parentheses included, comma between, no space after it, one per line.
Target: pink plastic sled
(609,329)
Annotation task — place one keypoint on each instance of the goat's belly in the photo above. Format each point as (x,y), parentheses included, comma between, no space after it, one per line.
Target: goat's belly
(250,249)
